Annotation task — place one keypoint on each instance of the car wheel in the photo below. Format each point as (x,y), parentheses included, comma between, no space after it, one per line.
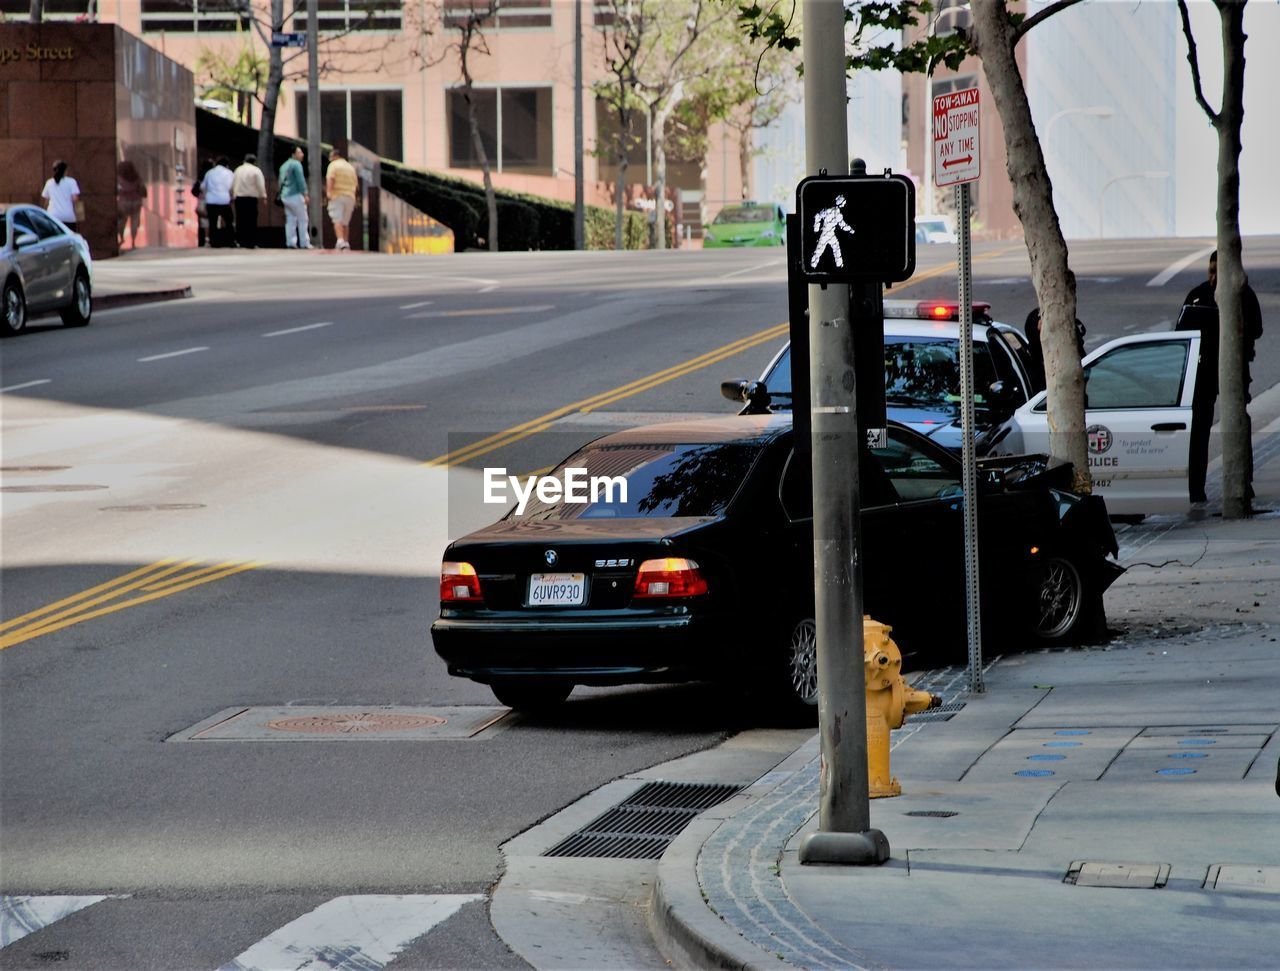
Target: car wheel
(531,696)
(1059,599)
(81,308)
(13,315)
(791,679)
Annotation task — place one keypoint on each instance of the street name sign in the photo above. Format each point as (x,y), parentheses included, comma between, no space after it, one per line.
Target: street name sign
(956,156)
(297,38)
(856,228)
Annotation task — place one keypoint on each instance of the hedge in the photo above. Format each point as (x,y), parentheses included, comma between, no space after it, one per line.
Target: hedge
(525,222)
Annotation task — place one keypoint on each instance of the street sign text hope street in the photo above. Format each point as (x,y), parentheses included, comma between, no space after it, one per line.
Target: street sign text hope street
(955,137)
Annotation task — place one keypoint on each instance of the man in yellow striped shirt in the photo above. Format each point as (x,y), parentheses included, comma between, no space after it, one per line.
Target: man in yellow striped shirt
(340,190)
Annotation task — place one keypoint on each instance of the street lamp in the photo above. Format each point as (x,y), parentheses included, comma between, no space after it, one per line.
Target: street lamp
(1102,196)
(927,146)
(1098,111)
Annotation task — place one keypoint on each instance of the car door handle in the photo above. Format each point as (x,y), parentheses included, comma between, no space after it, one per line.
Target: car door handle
(1169,426)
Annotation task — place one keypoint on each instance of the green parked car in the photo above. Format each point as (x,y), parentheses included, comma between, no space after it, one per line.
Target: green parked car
(747,224)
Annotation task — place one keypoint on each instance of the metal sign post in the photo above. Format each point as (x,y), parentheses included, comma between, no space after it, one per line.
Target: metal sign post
(957,162)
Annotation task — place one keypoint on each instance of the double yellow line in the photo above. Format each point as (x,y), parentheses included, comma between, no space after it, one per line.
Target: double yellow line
(535,425)
(161,579)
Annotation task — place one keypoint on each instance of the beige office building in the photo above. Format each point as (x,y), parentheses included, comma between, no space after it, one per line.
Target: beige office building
(391,86)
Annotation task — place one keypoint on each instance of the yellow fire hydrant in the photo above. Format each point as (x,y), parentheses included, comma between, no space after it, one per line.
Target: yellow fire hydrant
(889,701)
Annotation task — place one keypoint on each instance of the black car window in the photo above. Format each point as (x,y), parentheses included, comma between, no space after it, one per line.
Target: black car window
(1138,376)
(46,228)
(743,214)
(1021,351)
(22,224)
(662,480)
(796,489)
(917,471)
(779,376)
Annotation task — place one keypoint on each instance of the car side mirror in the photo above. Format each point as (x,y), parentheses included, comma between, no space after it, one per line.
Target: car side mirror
(25,239)
(1002,392)
(735,390)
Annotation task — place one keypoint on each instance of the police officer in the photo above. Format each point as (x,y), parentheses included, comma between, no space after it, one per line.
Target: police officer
(1205,396)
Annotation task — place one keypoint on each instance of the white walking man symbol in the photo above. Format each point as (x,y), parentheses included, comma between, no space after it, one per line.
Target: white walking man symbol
(825,223)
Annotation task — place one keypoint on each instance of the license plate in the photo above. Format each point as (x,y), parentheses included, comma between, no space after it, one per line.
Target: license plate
(557,589)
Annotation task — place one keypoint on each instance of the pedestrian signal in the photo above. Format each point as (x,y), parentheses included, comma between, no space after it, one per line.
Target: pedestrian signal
(857,228)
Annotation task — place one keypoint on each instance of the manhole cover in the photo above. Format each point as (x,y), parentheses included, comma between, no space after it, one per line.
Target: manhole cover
(356,722)
(50,488)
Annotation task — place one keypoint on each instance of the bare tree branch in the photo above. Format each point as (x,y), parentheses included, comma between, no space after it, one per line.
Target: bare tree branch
(1194,59)
(1045,14)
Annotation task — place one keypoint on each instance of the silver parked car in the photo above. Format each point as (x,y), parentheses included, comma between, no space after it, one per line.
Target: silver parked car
(44,267)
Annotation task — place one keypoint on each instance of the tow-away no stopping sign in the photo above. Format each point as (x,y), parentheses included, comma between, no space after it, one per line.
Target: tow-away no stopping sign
(955,137)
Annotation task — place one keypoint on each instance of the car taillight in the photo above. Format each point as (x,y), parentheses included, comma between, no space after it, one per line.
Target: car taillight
(458,581)
(669,577)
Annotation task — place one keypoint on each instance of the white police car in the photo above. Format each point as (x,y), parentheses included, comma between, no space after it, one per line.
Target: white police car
(1137,418)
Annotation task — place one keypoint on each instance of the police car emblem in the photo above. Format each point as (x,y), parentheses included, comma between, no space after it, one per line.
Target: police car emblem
(550,556)
(1099,439)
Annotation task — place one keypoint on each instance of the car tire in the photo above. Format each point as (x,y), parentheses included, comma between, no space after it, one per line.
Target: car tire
(77,314)
(792,677)
(531,696)
(1061,602)
(13,309)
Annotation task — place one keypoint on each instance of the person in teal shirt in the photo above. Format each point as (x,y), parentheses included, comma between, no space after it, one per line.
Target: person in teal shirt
(294,198)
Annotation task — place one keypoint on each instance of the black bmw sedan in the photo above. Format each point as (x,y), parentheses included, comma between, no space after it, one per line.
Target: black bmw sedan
(701,567)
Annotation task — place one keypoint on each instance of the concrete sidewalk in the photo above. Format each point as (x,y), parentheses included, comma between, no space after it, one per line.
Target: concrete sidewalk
(136,278)
(1105,807)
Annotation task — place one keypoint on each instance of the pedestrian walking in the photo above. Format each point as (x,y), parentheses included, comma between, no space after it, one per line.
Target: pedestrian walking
(1203,316)
(131,192)
(216,192)
(340,189)
(248,188)
(294,198)
(62,197)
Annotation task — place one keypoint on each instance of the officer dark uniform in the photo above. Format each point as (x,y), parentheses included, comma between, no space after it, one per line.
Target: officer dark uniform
(1205,395)
(1032,329)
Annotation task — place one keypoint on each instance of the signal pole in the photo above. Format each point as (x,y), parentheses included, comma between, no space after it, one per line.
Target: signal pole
(844,811)
(315,214)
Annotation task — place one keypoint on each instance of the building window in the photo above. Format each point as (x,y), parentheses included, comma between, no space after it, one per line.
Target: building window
(337,16)
(511,14)
(515,129)
(53,9)
(373,118)
(196,16)
(947,85)
(953,15)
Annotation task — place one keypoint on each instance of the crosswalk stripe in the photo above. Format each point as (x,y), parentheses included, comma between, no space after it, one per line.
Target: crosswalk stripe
(20,916)
(357,933)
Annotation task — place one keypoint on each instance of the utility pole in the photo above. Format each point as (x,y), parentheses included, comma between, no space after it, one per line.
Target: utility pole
(313,120)
(579,210)
(844,810)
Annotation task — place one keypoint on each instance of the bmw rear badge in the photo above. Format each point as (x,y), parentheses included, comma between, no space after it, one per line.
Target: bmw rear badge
(550,556)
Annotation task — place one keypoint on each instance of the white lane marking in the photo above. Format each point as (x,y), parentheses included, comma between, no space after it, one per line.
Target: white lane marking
(161,357)
(415,306)
(491,287)
(482,311)
(20,916)
(359,932)
(29,384)
(298,330)
(751,269)
(1173,269)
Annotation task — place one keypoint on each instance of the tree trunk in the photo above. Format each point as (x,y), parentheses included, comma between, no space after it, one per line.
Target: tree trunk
(37,11)
(744,158)
(270,98)
(1236,445)
(620,200)
(658,134)
(490,198)
(1047,250)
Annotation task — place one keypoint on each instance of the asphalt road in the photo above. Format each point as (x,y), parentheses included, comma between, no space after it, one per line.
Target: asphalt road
(289,452)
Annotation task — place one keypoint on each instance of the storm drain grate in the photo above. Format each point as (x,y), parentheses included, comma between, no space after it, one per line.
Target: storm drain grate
(940,714)
(641,827)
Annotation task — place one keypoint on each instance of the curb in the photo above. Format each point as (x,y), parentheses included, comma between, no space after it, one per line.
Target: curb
(684,927)
(111,301)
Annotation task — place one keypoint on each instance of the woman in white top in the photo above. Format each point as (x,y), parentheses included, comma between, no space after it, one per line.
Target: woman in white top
(62,191)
